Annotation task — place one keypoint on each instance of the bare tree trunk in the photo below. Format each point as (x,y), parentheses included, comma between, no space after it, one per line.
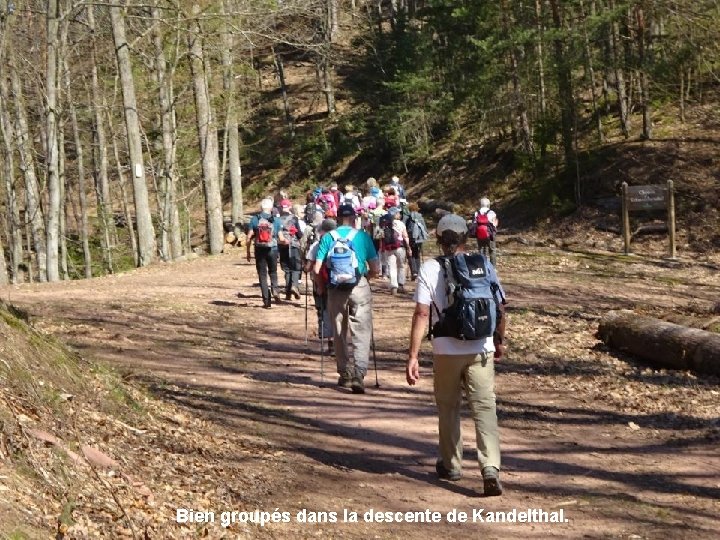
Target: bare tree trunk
(591,73)
(682,95)
(52,229)
(80,160)
(518,97)
(171,242)
(280,70)
(233,135)
(26,152)
(207,133)
(565,90)
(100,157)
(14,226)
(541,68)
(3,264)
(122,181)
(644,82)
(620,88)
(62,214)
(145,230)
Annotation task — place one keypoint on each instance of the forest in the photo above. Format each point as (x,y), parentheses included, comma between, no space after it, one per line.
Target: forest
(129,130)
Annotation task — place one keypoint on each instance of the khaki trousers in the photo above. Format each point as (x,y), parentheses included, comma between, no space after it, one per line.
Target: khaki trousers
(351,312)
(475,374)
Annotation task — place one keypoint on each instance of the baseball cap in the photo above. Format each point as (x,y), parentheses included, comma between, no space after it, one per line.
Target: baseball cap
(451,222)
(394,210)
(285,203)
(346,210)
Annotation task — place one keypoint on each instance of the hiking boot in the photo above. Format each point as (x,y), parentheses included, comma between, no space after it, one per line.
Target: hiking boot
(344,381)
(331,348)
(491,482)
(401,289)
(357,385)
(295,292)
(444,474)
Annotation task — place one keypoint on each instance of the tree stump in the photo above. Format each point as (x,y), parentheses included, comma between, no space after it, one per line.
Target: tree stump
(661,343)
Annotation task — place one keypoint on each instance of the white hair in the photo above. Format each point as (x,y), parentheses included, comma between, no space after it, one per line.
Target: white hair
(266,204)
(485,202)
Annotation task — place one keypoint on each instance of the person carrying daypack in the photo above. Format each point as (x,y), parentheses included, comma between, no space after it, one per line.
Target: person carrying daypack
(351,258)
(460,296)
(313,213)
(320,282)
(395,247)
(326,200)
(289,249)
(263,233)
(484,228)
(399,190)
(418,234)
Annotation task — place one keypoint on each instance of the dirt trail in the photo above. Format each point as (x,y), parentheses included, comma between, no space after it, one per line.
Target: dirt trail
(623,450)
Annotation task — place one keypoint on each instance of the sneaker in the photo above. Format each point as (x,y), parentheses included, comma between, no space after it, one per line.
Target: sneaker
(288,295)
(444,474)
(344,381)
(357,385)
(491,482)
(393,291)
(295,292)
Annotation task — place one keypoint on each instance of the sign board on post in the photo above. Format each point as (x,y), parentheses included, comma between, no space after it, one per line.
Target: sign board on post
(648,198)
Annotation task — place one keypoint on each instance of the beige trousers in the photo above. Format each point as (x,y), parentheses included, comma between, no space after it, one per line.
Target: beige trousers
(475,374)
(351,313)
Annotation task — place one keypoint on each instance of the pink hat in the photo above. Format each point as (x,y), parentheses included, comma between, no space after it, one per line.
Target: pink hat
(285,203)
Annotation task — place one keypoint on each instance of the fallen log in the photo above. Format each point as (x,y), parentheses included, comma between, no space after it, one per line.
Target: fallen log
(661,343)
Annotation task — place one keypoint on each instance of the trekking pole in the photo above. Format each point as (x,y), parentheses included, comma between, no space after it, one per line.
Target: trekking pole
(306,311)
(372,337)
(322,339)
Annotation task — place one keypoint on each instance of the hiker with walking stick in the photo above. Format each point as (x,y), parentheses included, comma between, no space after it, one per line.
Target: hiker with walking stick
(325,330)
(351,258)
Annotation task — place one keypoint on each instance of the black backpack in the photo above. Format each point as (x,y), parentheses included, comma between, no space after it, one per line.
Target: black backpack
(473,300)
(391,239)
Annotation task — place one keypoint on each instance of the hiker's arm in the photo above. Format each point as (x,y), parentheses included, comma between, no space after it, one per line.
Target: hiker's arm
(417,332)
(250,236)
(499,335)
(373,268)
(406,239)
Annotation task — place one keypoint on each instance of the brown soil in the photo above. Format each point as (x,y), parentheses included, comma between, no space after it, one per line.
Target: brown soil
(626,450)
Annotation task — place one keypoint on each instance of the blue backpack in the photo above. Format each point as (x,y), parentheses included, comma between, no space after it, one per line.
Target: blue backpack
(473,300)
(342,262)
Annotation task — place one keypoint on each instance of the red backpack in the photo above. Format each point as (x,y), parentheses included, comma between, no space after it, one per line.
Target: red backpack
(264,235)
(484,230)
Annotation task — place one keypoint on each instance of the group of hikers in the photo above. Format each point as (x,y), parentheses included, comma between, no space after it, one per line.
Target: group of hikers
(341,240)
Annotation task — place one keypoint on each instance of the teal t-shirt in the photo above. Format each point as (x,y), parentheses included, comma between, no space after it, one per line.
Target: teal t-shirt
(362,245)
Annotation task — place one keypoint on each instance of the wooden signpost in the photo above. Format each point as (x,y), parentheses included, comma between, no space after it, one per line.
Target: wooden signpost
(644,199)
